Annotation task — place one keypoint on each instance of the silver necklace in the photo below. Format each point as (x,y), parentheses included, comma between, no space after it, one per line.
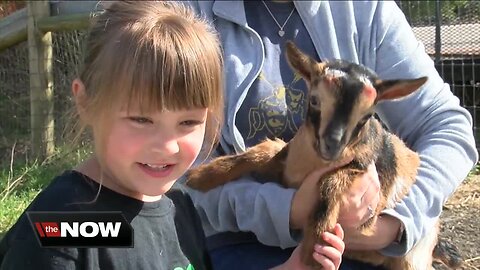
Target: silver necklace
(280,32)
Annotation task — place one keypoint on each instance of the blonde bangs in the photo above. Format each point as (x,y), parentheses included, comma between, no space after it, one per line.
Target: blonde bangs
(150,57)
(168,66)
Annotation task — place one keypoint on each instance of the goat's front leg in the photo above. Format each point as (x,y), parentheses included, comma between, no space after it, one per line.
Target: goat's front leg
(323,219)
(325,215)
(263,158)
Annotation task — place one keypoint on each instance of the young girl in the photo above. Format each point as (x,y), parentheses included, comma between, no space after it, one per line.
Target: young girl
(150,92)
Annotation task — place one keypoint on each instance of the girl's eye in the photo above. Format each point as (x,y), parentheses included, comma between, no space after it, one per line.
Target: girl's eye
(190,123)
(140,120)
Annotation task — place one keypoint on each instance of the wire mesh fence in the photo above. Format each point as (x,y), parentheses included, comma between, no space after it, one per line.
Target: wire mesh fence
(14,98)
(67,51)
(14,91)
(450,31)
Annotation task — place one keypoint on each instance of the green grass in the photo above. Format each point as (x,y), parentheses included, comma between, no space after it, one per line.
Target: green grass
(475,170)
(21,181)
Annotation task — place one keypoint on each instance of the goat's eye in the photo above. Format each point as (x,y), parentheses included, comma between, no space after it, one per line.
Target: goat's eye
(360,125)
(314,101)
(364,120)
(361,122)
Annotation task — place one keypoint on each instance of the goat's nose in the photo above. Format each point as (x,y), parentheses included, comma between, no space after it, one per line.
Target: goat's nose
(332,141)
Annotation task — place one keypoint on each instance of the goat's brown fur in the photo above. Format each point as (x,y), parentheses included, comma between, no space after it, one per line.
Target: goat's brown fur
(329,135)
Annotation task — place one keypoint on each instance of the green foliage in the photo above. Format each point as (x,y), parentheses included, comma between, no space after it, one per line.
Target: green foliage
(12,207)
(22,181)
(423,13)
(11,125)
(475,170)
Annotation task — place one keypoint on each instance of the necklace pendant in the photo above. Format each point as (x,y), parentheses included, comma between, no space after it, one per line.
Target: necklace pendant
(281,33)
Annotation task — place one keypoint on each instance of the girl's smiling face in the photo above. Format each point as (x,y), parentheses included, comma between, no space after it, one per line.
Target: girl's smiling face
(143,154)
(143,90)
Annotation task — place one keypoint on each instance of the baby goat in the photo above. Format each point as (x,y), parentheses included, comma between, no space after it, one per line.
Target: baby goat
(339,123)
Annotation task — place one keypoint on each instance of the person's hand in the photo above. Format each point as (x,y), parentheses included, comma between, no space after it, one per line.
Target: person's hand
(358,205)
(361,200)
(385,230)
(328,256)
(306,196)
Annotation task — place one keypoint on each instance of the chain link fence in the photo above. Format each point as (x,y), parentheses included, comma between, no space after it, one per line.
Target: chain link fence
(450,31)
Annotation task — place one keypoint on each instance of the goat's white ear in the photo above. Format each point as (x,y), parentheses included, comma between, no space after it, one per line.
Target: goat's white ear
(393,89)
(301,62)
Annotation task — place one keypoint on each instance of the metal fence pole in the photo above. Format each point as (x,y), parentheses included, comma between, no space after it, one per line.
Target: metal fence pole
(438,24)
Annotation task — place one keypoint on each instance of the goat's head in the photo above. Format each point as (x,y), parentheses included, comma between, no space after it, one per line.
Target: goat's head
(342,98)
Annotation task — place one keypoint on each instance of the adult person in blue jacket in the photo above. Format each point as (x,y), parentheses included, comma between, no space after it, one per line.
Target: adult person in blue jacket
(253,225)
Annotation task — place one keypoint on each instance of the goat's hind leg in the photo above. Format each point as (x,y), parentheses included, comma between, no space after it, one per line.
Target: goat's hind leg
(447,253)
(420,256)
(263,158)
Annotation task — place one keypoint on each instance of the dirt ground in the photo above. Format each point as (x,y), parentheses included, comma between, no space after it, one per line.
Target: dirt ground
(461,222)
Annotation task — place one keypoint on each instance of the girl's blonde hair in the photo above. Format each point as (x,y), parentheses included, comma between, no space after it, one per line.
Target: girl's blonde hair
(156,55)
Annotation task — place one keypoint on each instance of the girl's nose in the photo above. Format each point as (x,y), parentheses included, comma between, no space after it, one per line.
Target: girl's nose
(166,145)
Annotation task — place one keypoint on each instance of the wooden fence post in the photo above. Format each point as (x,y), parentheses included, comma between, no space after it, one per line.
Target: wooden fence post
(41,81)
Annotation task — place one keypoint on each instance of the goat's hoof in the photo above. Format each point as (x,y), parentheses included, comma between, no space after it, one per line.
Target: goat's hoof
(197,184)
(447,253)
(203,180)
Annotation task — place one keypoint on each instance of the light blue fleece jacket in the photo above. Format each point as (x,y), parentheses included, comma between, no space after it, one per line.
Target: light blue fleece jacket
(376,35)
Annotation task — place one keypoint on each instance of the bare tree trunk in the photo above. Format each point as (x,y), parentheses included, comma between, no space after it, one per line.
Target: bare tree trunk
(41,81)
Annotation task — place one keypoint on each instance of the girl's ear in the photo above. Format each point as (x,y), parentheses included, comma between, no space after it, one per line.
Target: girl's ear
(80,96)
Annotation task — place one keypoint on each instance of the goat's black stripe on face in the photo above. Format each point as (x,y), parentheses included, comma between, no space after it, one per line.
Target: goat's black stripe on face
(313,118)
(347,96)
(360,125)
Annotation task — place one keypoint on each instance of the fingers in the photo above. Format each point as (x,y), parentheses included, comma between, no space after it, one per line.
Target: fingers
(338,230)
(317,174)
(337,164)
(325,262)
(335,239)
(360,202)
(330,255)
(342,162)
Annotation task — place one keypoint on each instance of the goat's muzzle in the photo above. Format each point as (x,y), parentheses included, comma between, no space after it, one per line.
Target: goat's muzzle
(331,145)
